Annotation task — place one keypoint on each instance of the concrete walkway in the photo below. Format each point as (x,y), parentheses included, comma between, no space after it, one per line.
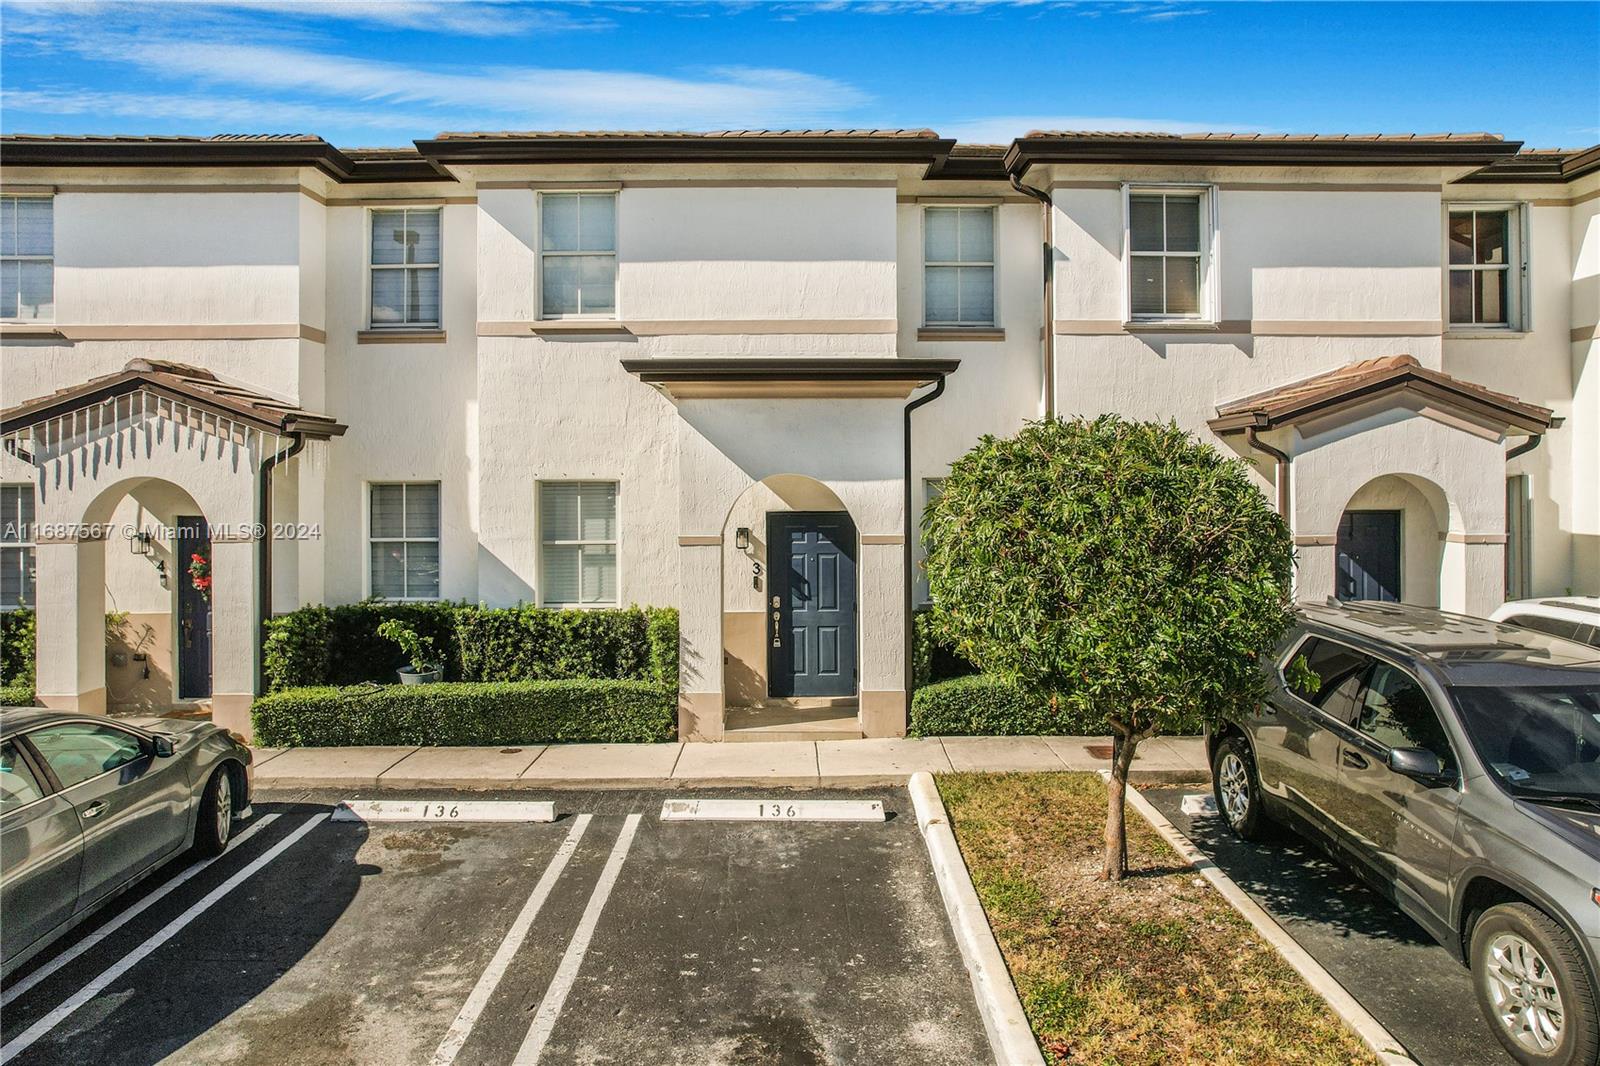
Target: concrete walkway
(802,764)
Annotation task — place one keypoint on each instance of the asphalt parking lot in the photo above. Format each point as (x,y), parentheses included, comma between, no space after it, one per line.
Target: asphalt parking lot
(1414,987)
(319,942)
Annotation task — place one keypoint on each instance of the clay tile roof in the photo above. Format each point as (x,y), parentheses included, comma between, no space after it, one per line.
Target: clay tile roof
(176,381)
(1299,400)
(127,138)
(689,135)
(1282,138)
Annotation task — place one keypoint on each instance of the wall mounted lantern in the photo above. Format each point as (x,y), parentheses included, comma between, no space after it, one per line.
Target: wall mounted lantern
(741,538)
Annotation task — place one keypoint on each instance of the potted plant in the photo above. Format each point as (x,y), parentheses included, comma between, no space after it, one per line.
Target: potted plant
(418,649)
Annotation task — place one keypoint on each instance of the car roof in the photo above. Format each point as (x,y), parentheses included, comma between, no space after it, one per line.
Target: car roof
(1574,608)
(17,719)
(1460,648)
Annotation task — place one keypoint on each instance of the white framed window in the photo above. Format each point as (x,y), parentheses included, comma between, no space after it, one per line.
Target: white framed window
(1169,237)
(578,254)
(958,280)
(27,258)
(578,543)
(404,259)
(16,547)
(1487,276)
(403,540)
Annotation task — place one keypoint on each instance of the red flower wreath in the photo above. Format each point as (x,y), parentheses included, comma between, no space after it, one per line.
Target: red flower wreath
(200,575)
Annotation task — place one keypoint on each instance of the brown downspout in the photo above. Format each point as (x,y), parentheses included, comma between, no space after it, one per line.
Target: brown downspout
(1525,447)
(264,551)
(1049,334)
(1282,476)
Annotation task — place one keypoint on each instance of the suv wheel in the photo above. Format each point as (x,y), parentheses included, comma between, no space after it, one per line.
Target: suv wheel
(1532,987)
(214,823)
(1237,789)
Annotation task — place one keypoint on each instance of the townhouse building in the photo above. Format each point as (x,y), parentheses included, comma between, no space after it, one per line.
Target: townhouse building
(724,372)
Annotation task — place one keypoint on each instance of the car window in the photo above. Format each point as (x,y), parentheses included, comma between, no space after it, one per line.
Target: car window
(1556,627)
(1397,713)
(1328,675)
(17,783)
(78,751)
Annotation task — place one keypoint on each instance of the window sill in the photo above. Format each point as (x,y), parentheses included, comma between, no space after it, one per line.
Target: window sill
(960,333)
(400,336)
(25,329)
(1478,333)
(580,325)
(1171,325)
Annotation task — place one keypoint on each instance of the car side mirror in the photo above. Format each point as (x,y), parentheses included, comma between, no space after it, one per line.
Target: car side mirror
(1419,764)
(162,747)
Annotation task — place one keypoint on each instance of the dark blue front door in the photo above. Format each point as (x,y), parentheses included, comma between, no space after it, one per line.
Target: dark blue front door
(1368,564)
(194,611)
(811,613)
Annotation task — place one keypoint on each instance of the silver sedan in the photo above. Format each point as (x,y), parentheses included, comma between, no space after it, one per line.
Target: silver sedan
(89,805)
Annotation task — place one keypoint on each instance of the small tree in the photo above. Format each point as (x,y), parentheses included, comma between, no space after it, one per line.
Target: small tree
(1124,569)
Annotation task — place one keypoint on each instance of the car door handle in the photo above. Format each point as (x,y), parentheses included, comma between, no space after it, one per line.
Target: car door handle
(95,809)
(1355,760)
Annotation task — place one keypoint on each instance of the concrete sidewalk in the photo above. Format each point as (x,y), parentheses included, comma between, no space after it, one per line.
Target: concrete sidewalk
(797,764)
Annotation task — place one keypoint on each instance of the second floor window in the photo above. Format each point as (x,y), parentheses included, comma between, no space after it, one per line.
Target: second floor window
(405,268)
(1167,233)
(1485,266)
(958,266)
(403,540)
(16,547)
(578,254)
(27,258)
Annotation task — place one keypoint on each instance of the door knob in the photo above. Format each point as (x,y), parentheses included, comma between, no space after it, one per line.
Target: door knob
(776,603)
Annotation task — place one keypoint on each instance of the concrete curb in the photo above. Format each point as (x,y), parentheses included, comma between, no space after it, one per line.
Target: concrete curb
(1353,1014)
(1010,1037)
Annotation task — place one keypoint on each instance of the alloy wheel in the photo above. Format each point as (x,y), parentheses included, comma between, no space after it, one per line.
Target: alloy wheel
(1234,785)
(1523,990)
(224,812)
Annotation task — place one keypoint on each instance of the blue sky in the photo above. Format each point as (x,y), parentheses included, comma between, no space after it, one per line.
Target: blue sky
(368,73)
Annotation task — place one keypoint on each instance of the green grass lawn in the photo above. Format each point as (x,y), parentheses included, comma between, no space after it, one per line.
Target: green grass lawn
(1155,969)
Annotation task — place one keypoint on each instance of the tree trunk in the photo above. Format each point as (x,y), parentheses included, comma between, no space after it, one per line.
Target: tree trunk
(1116,862)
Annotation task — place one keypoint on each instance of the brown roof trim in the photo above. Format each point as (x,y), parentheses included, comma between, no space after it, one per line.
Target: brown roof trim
(1542,167)
(788,147)
(1297,401)
(22,150)
(768,368)
(1158,149)
(185,384)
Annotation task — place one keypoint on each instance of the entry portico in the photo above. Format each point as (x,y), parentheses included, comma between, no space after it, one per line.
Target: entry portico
(759,437)
(181,443)
(1392,478)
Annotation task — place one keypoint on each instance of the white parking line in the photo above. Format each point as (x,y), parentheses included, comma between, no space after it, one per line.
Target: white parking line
(39,1028)
(461,1028)
(544,1022)
(11,992)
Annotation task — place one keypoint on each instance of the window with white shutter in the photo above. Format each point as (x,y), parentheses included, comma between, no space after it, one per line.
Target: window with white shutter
(405,258)
(1169,238)
(27,258)
(578,254)
(578,543)
(958,266)
(403,540)
(16,547)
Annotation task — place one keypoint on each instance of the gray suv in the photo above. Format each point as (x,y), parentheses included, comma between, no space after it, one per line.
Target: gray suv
(1455,764)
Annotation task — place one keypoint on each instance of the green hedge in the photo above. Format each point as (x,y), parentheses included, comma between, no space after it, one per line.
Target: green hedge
(932,659)
(467,713)
(17,645)
(983,706)
(16,696)
(340,645)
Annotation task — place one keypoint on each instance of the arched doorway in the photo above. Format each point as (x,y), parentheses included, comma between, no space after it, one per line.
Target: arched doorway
(789,601)
(155,558)
(1390,542)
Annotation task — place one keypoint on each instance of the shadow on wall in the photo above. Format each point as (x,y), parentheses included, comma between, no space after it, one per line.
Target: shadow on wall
(139,662)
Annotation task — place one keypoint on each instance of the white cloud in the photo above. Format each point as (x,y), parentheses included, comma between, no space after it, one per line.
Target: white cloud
(1000,129)
(233,114)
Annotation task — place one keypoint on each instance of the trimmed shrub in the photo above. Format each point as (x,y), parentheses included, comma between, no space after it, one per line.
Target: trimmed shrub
(16,696)
(932,657)
(341,646)
(539,644)
(980,706)
(17,646)
(467,713)
(663,632)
